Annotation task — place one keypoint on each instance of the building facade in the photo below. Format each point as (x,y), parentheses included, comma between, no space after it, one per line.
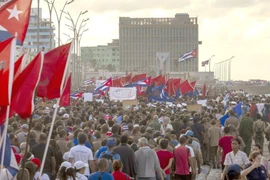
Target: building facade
(141,38)
(46,32)
(2,2)
(101,57)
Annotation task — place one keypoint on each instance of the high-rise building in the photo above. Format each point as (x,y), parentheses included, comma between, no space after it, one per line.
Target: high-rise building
(141,38)
(2,2)
(101,57)
(46,32)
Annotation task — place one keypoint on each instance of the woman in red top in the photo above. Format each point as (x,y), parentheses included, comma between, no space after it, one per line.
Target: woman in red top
(117,171)
(165,158)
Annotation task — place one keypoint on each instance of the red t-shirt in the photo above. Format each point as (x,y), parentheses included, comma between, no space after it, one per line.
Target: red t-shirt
(164,158)
(181,155)
(226,144)
(119,175)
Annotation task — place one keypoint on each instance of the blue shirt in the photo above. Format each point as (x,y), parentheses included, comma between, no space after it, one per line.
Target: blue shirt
(87,144)
(101,150)
(96,175)
(115,157)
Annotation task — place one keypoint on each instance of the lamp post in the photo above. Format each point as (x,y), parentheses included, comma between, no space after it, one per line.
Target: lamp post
(50,7)
(59,17)
(75,35)
(230,60)
(210,59)
(221,69)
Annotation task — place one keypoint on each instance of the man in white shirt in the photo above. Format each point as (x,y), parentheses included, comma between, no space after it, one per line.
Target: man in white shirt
(82,153)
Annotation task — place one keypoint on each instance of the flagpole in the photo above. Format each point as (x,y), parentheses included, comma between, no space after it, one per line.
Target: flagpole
(10,82)
(54,114)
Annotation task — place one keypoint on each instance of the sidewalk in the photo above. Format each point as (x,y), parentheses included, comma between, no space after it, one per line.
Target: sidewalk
(214,174)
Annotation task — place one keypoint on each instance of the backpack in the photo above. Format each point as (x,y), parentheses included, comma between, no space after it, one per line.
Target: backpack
(109,157)
(259,132)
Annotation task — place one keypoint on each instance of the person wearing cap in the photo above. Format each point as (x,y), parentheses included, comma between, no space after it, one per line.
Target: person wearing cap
(22,135)
(147,162)
(82,153)
(102,173)
(44,176)
(233,172)
(110,154)
(80,169)
(66,171)
(255,170)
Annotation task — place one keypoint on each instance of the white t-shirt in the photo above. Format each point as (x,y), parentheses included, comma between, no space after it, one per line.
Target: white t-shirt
(81,176)
(66,156)
(81,153)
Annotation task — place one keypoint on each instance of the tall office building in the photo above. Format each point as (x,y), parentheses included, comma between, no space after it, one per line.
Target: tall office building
(45,33)
(141,38)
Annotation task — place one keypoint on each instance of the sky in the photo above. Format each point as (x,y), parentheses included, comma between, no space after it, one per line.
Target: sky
(227,28)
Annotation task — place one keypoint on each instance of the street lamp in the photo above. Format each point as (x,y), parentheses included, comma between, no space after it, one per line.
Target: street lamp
(230,68)
(210,62)
(57,16)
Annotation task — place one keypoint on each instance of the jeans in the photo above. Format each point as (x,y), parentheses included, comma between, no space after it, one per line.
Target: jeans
(167,177)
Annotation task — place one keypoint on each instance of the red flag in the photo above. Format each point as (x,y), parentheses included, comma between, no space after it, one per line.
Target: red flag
(117,82)
(162,81)
(126,79)
(138,77)
(204,91)
(185,87)
(193,84)
(154,80)
(65,98)
(53,71)
(14,18)
(23,90)
(7,49)
(18,67)
(170,86)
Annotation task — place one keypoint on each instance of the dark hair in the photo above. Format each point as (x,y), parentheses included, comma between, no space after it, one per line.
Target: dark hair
(104,142)
(115,129)
(258,146)
(226,130)
(82,138)
(163,143)
(71,173)
(237,140)
(232,175)
(62,133)
(124,139)
(42,137)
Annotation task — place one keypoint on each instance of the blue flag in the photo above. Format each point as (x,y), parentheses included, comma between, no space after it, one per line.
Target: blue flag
(237,109)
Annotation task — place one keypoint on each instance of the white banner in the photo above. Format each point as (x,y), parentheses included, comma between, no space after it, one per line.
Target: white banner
(88,97)
(99,82)
(122,93)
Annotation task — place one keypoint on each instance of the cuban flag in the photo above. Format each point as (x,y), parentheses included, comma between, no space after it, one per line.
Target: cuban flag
(144,82)
(14,19)
(107,83)
(227,97)
(189,55)
(9,158)
(89,81)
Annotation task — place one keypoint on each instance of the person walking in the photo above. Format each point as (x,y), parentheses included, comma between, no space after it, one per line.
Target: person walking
(259,131)
(147,162)
(102,171)
(118,174)
(82,153)
(127,156)
(183,159)
(246,131)
(214,134)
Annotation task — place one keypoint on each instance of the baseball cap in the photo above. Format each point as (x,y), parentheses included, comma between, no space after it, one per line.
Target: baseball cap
(66,164)
(66,116)
(36,161)
(80,165)
(234,168)
(111,142)
(189,133)
(25,126)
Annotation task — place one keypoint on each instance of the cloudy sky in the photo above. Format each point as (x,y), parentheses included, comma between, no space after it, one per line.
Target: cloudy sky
(227,28)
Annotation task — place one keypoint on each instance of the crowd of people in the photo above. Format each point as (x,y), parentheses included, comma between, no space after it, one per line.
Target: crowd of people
(154,141)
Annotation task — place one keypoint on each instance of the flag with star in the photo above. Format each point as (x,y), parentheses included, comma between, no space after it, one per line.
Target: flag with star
(14,18)
(189,55)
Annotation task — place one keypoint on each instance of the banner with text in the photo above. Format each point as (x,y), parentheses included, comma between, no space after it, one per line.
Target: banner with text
(120,94)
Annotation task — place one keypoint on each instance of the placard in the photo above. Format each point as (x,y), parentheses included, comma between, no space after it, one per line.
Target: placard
(202,102)
(129,103)
(194,107)
(88,97)
(120,94)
